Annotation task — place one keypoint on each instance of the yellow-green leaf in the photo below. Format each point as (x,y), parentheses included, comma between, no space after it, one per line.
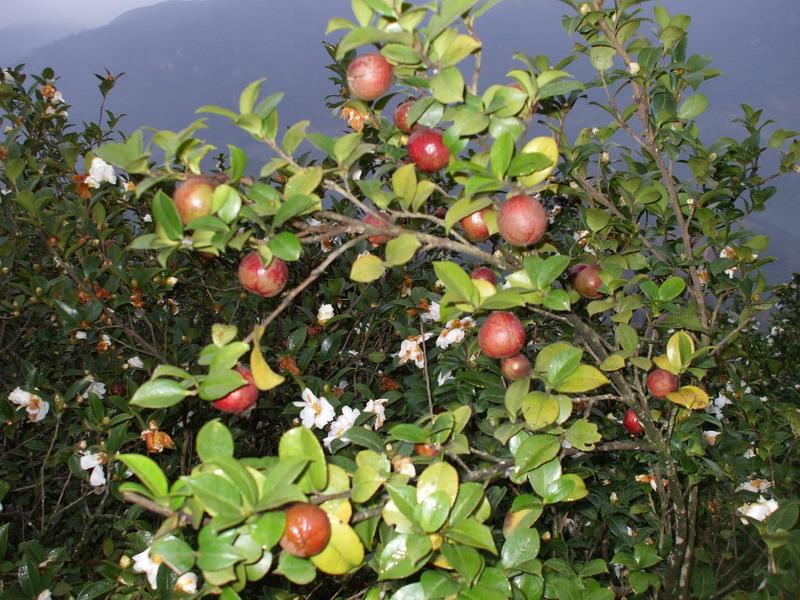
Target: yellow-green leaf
(540,409)
(344,551)
(404,183)
(689,396)
(438,477)
(401,249)
(366,268)
(613,362)
(583,379)
(263,376)
(680,349)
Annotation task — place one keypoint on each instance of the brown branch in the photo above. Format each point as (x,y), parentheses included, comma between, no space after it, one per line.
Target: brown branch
(154,507)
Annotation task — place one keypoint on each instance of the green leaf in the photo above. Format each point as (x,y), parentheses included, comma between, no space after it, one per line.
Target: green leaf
(470,495)
(401,249)
(520,549)
(297,570)
(463,208)
(165,215)
(465,560)
(459,285)
(671,289)
(612,362)
(583,435)
(438,477)
(549,271)
(500,155)
(515,394)
(148,472)
(526,163)
(367,268)
(680,349)
(267,530)
(238,163)
(692,107)
(471,533)
(218,496)
(217,384)
(432,512)
(303,182)
(299,442)
(294,206)
(286,246)
(557,300)
(227,202)
(177,554)
(448,85)
(450,11)
(602,57)
(159,393)
(544,475)
(226,358)
(402,556)
(540,409)
(214,440)
(294,136)
(584,379)
(247,99)
(562,363)
(535,451)
(409,433)
(404,183)
(361,36)
(596,219)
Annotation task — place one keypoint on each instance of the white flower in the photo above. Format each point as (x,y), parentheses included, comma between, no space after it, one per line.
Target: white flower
(758,510)
(325,314)
(404,465)
(432,315)
(410,349)
(716,406)
(755,485)
(377,408)
(444,377)
(764,398)
(750,453)
(36,408)
(94,461)
(187,583)
(341,426)
(143,563)
(711,437)
(634,68)
(57,98)
(100,172)
(80,335)
(7,77)
(135,362)
(98,388)
(44,595)
(454,332)
(317,412)
(148,218)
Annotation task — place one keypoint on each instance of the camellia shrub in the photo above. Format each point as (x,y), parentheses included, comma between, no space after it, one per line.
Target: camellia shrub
(459,351)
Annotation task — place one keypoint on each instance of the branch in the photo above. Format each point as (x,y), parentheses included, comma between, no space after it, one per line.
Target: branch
(153,507)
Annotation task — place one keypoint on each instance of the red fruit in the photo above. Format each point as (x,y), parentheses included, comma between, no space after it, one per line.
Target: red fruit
(587,281)
(515,367)
(427,150)
(193,198)
(118,389)
(401,116)
(307,530)
(661,382)
(501,335)
(632,423)
(241,398)
(475,227)
(484,273)
(522,220)
(425,450)
(369,76)
(264,280)
(382,221)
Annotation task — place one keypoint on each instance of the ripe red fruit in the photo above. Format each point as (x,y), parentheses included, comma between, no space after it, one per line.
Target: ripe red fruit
(501,335)
(661,382)
(193,198)
(632,423)
(264,280)
(241,398)
(484,273)
(515,367)
(427,150)
(382,221)
(475,227)
(587,281)
(369,76)
(425,450)
(307,530)
(118,389)
(400,116)
(522,220)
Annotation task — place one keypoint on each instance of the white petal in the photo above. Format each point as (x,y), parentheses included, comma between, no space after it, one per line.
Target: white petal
(98,476)
(89,461)
(187,583)
(20,397)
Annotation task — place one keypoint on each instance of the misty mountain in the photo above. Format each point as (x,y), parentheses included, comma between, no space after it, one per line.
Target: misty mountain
(17,41)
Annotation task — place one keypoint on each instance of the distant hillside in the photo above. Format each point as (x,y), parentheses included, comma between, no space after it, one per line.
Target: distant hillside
(179,55)
(19,40)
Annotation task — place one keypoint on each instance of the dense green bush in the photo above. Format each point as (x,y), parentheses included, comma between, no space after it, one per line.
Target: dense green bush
(438,477)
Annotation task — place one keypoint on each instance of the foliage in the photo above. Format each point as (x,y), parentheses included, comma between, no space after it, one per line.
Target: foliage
(439,478)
